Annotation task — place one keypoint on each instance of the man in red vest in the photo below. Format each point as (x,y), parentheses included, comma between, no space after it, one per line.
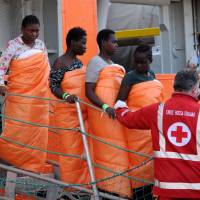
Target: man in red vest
(175,127)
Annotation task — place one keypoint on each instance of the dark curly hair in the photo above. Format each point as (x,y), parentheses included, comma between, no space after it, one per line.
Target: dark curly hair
(103,35)
(76,34)
(30,19)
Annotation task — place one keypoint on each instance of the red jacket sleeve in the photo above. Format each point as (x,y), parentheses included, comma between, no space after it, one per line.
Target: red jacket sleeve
(140,119)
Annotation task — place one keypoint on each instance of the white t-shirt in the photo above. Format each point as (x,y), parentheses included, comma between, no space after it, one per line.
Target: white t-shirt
(94,67)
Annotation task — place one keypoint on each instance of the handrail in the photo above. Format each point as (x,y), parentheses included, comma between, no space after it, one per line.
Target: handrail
(55,182)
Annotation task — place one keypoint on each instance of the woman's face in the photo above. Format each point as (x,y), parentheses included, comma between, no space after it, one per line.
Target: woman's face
(79,47)
(141,63)
(31,32)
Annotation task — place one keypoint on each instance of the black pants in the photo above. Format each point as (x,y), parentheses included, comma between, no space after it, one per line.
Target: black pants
(143,193)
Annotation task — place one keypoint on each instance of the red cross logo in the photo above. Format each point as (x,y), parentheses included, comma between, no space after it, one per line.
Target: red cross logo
(179,134)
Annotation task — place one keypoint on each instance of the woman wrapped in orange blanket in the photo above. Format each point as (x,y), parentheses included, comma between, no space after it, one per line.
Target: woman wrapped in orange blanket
(140,88)
(26,57)
(67,77)
(103,80)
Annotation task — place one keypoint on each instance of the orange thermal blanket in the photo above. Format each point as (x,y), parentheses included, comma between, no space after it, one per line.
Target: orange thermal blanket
(73,170)
(53,136)
(141,95)
(168,81)
(28,77)
(110,131)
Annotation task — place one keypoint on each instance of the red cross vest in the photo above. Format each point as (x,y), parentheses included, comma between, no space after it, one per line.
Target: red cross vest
(177,151)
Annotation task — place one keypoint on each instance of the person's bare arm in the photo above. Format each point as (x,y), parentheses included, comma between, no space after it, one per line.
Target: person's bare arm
(56,90)
(91,95)
(123,92)
(55,84)
(5,60)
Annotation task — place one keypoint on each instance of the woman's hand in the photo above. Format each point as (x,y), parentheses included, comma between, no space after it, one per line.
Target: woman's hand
(111,112)
(71,98)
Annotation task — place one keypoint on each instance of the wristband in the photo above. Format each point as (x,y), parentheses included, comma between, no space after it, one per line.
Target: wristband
(67,96)
(64,95)
(105,106)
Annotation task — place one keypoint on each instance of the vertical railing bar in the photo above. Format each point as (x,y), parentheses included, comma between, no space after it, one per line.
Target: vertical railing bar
(86,148)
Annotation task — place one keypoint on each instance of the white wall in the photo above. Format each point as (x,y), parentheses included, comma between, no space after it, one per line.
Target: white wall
(50,15)
(188,27)
(5,29)
(102,13)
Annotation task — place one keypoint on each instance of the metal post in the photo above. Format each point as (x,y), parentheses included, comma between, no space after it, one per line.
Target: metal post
(3,104)
(85,143)
(10,186)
